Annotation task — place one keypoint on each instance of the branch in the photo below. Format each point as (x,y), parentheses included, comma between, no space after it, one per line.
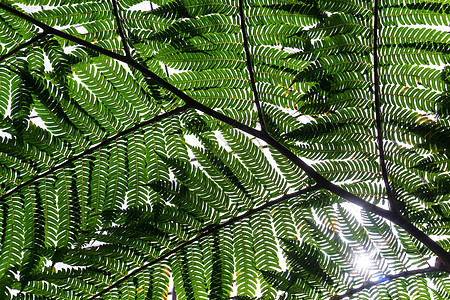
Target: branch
(94,148)
(370,284)
(24,45)
(206,231)
(120,29)
(248,59)
(321,181)
(390,195)
(337,190)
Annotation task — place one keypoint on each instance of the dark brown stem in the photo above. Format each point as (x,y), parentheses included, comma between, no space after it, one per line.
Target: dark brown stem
(376,78)
(206,231)
(24,45)
(62,34)
(370,284)
(120,29)
(321,181)
(248,59)
(337,190)
(167,70)
(174,293)
(95,148)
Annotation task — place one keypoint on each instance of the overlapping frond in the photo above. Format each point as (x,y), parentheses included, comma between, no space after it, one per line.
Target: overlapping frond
(229,176)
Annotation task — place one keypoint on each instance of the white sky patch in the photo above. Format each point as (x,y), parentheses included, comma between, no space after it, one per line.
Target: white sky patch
(93,244)
(192,140)
(221,140)
(5,135)
(144,6)
(47,64)
(170,71)
(33,8)
(36,120)
(69,49)
(435,27)
(366,265)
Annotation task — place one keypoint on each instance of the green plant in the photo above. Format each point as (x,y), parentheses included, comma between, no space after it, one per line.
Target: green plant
(138,175)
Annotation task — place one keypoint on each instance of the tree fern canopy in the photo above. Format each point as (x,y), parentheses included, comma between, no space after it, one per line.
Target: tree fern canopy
(247,149)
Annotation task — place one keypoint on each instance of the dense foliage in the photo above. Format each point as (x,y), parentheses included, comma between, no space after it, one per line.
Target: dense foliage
(258,148)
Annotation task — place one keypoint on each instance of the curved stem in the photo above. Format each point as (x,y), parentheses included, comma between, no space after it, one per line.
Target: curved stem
(120,29)
(321,181)
(192,103)
(95,148)
(24,45)
(206,231)
(370,284)
(376,78)
(248,59)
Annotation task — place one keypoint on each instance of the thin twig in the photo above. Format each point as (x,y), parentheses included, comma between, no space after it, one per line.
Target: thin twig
(120,29)
(376,78)
(370,284)
(167,70)
(24,45)
(209,230)
(248,59)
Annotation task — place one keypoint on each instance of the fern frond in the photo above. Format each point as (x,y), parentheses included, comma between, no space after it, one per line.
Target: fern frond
(74,14)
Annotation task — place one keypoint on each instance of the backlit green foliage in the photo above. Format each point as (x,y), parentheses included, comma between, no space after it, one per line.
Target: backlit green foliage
(132,129)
